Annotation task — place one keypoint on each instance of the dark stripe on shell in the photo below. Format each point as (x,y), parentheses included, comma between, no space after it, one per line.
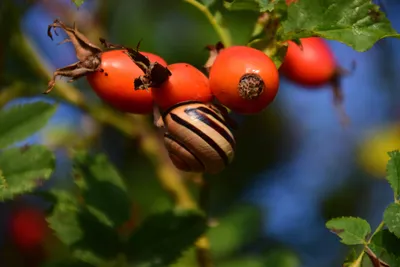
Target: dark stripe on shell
(194,112)
(212,113)
(168,136)
(165,113)
(202,135)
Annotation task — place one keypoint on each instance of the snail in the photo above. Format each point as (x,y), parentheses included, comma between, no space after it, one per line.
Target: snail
(197,136)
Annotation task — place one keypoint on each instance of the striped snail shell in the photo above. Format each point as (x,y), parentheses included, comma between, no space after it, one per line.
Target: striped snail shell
(197,137)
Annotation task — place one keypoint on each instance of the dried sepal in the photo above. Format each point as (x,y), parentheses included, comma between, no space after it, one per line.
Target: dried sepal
(83,47)
(87,53)
(154,75)
(157,117)
(338,97)
(213,53)
(73,71)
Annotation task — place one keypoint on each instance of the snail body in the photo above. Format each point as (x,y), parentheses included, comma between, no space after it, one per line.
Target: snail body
(197,137)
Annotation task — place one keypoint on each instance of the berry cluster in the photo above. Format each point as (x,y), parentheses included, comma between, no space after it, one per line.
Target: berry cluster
(188,105)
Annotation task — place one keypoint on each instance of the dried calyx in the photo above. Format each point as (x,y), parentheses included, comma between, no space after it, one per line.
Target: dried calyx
(87,53)
(154,73)
(89,56)
(338,97)
(214,51)
(250,86)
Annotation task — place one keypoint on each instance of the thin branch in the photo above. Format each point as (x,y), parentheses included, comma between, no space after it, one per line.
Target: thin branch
(224,34)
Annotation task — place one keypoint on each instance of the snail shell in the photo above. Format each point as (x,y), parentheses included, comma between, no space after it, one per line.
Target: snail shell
(197,137)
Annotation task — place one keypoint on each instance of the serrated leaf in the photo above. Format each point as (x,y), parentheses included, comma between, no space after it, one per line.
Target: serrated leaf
(351,230)
(21,121)
(78,3)
(104,192)
(24,169)
(391,217)
(393,172)
(350,258)
(229,235)
(97,238)
(255,5)
(385,245)
(63,219)
(89,239)
(356,23)
(162,237)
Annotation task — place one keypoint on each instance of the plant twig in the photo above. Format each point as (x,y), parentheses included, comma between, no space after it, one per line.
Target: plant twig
(223,34)
(379,228)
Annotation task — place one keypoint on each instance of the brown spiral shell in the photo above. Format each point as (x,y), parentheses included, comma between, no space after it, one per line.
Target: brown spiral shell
(198,138)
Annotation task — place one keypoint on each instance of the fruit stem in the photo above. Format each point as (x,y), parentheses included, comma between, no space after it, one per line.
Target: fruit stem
(223,33)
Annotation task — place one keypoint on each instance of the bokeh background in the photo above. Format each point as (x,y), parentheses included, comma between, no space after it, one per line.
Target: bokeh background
(296,166)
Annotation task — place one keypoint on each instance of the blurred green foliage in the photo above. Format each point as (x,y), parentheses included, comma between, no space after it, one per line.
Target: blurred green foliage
(179,33)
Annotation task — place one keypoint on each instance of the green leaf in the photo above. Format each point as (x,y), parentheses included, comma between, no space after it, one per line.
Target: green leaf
(24,169)
(393,172)
(97,238)
(63,219)
(350,258)
(78,3)
(391,217)
(21,121)
(356,23)
(89,239)
(255,5)
(104,190)
(163,237)
(230,235)
(352,231)
(385,245)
